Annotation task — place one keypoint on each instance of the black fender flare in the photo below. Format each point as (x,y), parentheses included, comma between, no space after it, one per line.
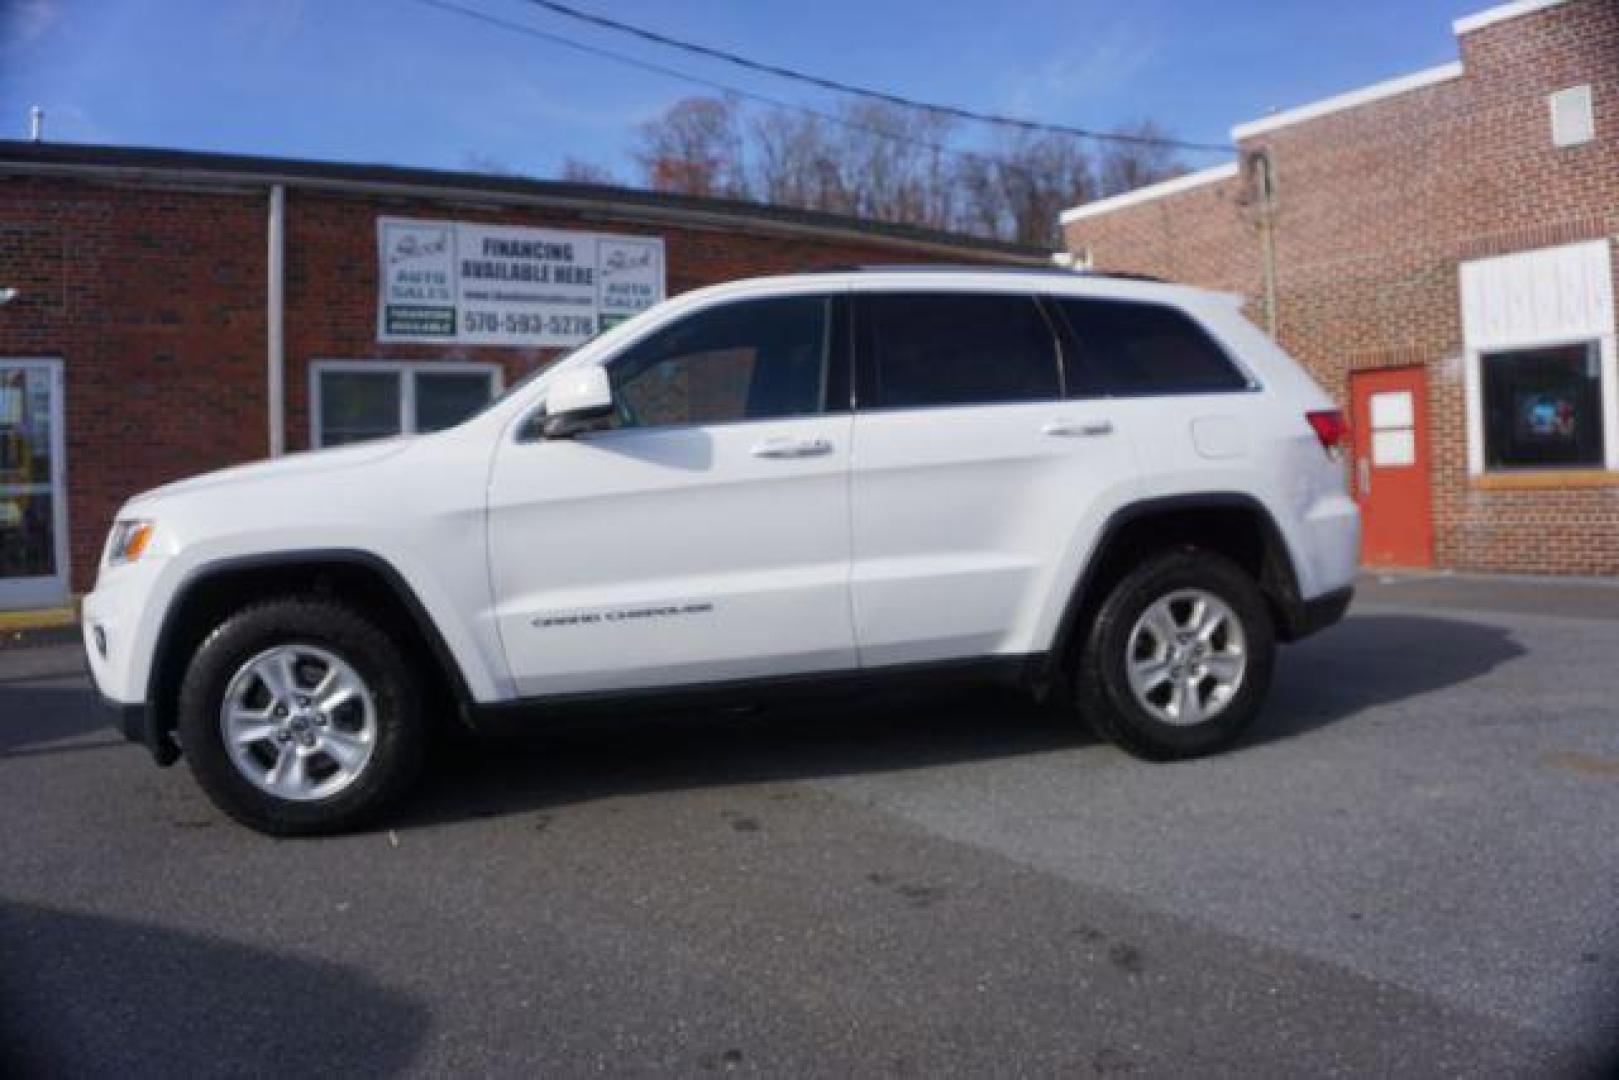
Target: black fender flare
(1278,579)
(161,676)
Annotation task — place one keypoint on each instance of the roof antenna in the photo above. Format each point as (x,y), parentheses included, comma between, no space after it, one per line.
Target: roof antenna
(36,124)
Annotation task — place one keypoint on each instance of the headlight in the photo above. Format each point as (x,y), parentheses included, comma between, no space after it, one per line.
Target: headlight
(128,540)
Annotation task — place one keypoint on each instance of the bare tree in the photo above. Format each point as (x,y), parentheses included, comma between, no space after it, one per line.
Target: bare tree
(1043,177)
(981,206)
(893,164)
(578,171)
(795,161)
(889,163)
(873,160)
(1018,191)
(1137,161)
(694,148)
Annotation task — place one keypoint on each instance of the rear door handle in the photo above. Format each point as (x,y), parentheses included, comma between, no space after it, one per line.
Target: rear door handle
(792,448)
(1074,429)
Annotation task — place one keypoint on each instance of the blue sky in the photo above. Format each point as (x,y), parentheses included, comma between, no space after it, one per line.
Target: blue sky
(393,81)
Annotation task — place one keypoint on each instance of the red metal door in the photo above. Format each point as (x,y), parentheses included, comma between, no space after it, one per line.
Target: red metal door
(1389,426)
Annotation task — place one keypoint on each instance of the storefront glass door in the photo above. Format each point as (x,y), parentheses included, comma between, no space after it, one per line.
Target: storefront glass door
(33,534)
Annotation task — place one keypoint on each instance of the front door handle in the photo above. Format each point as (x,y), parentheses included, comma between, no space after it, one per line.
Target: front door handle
(792,448)
(1365,470)
(1074,429)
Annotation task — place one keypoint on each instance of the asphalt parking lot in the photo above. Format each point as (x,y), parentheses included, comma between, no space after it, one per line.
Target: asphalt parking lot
(1411,869)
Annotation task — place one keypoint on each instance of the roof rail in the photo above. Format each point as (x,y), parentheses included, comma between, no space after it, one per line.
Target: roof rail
(977,268)
(1123,275)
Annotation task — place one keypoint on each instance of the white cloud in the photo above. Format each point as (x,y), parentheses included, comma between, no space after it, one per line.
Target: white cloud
(527,105)
(27,22)
(268,24)
(1108,60)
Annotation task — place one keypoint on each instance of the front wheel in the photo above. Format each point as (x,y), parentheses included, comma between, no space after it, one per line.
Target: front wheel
(299,716)
(1178,658)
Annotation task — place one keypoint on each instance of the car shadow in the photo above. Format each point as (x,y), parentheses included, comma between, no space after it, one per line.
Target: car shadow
(1364,663)
(47,710)
(1376,659)
(579,761)
(87,995)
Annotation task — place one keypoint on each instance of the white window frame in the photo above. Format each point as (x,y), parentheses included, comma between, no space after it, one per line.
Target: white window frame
(1594,322)
(405,371)
(47,590)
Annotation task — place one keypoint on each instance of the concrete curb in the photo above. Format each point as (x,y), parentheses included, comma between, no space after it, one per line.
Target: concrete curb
(38,619)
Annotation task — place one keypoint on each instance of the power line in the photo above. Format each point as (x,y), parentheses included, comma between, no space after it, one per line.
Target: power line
(674,73)
(823,83)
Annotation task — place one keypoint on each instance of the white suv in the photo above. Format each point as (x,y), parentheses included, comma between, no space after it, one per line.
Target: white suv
(1118,494)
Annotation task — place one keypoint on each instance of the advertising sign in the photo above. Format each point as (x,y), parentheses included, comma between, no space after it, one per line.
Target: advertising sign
(472,284)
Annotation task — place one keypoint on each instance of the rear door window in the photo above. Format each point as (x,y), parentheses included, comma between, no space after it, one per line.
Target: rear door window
(1132,349)
(935,349)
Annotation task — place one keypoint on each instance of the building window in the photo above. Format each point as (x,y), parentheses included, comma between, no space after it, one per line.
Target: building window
(1543,407)
(1540,363)
(356,400)
(1573,121)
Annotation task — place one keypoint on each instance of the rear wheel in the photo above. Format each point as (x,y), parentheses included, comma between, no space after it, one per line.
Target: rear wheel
(1178,659)
(300,716)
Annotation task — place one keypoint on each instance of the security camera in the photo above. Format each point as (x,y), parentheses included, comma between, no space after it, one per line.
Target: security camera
(7,295)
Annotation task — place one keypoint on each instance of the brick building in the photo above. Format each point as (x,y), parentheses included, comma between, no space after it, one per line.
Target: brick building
(152,301)
(1438,249)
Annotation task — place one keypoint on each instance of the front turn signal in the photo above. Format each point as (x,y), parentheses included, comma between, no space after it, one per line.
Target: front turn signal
(129,540)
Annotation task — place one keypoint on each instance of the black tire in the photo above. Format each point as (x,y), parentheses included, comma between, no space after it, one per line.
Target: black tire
(401,733)
(1101,677)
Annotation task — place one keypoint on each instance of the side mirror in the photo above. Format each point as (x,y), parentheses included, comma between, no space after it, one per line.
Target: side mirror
(578,401)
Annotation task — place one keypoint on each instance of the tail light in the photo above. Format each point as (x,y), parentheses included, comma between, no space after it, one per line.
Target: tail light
(1330,428)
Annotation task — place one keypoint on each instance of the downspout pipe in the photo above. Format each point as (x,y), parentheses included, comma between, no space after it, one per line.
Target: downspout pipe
(274,320)
(1267,240)
(1262,188)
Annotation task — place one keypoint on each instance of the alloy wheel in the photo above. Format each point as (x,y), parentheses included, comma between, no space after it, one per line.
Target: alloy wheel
(1187,657)
(299,722)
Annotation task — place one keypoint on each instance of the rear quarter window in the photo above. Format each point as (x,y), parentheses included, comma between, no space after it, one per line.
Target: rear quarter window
(1132,348)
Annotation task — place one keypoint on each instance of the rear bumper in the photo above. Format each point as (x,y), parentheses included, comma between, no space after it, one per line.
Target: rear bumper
(1307,617)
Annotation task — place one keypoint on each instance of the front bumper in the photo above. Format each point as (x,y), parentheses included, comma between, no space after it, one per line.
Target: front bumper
(134,722)
(132,719)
